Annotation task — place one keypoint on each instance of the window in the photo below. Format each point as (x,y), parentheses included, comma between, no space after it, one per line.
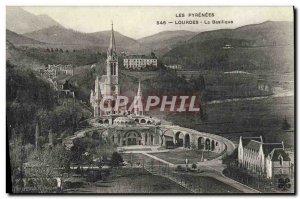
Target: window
(111,68)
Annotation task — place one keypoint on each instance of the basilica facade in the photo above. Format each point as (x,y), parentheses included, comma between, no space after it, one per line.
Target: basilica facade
(123,128)
(107,85)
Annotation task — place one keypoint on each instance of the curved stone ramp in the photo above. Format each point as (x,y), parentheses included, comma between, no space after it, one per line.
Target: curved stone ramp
(229,145)
(228,149)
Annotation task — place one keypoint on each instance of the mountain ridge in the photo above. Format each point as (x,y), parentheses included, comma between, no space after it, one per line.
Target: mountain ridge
(164,41)
(18,39)
(255,46)
(66,36)
(21,21)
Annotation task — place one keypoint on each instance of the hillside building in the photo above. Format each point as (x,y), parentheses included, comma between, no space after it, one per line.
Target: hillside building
(174,66)
(267,159)
(138,62)
(53,70)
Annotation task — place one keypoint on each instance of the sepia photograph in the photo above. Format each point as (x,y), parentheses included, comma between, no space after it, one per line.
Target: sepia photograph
(150,100)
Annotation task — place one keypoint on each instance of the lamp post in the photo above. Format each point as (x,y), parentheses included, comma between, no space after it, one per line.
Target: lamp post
(186,160)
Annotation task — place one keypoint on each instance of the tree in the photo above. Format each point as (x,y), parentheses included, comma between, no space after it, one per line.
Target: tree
(285,124)
(17,159)
(116,159)
(41,171)
(194,166)
(153,55)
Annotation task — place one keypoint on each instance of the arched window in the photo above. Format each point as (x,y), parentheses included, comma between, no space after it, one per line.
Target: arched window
(112,68)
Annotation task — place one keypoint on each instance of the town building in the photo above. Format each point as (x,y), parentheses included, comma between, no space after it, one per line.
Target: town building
(267,159)
(174,66)
(53,70)
(138,62)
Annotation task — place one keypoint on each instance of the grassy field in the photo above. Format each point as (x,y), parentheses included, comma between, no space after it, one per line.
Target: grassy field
(207,184)
(245,118)
(137,180)
(178,157)
(132,181)
(139,159)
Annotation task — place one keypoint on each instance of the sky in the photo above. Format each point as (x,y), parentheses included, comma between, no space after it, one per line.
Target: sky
(138,22)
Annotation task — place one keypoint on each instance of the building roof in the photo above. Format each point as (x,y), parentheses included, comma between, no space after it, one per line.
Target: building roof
(246,140)
(254,145)
(139,57)
(277,153)
(268,147)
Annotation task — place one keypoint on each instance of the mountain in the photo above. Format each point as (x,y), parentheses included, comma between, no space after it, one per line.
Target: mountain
(17,39)
(20,21)
(18,57)
(64,36)
(265,46)
(166,40)
(266,33)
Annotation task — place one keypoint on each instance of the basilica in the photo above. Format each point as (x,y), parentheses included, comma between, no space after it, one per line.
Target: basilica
(124,127)
(132,126)
(107,85)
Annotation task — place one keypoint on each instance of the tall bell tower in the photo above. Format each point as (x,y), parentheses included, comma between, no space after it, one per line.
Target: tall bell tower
(112,69)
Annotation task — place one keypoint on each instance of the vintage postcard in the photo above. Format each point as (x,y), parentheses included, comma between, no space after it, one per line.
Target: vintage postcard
(150,100)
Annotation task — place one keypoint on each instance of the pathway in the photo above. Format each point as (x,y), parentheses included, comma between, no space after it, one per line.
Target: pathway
(158,159)
(213,165)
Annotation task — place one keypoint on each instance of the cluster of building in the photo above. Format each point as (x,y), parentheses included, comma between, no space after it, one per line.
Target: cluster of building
(138,62)
(58,76)
(266,159)
(53,70)
(125,127)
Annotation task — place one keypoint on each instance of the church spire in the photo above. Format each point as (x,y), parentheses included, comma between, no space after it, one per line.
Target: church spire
(112,44)
(139,93)
(138,102)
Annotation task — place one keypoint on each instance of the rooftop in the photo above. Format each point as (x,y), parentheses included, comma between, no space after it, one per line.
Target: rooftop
(277,153)
(254,145)
(246,140)
(140,57)
(268,147)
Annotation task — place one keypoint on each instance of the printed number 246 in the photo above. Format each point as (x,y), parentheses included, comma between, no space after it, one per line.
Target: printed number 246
(161,22)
